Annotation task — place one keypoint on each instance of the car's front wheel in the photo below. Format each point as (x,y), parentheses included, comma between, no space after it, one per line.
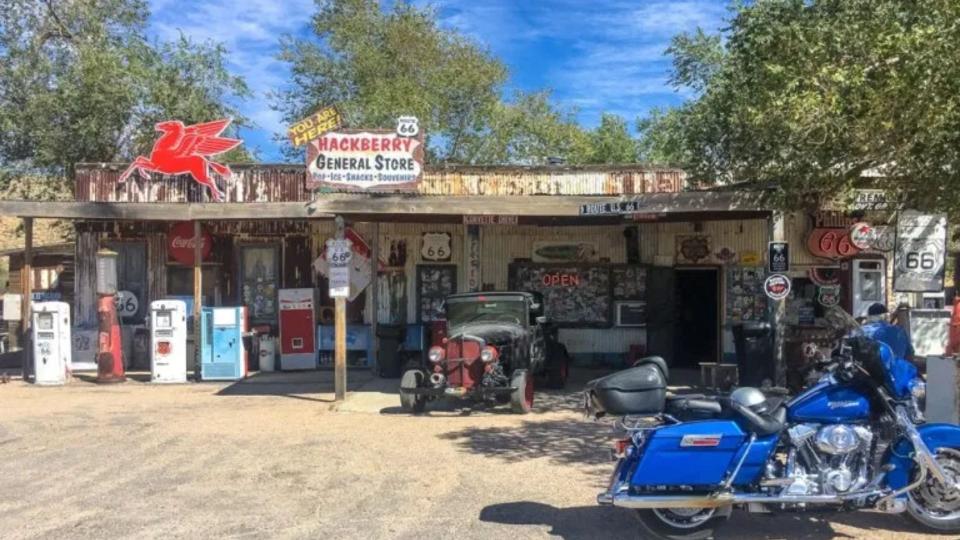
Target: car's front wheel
(521,398)
(411,402)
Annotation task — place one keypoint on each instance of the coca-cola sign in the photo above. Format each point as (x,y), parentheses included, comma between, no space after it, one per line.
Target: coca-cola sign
(181,243)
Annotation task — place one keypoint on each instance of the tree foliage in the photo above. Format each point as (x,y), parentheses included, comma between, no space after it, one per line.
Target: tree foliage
(814,94)
(377,65)
(80,83)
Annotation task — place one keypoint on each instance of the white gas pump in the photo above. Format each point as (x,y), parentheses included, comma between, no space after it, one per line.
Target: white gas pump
(168,341)
(51,342)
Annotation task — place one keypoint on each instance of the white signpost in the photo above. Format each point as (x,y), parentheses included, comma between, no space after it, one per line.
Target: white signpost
(339,255)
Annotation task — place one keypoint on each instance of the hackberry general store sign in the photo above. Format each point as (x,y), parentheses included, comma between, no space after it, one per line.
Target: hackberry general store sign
(920,255)
(368,160)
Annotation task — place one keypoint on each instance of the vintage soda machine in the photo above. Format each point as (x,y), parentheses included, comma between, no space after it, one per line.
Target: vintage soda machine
(222,355)
(168,341)
(51,342)
(298,347)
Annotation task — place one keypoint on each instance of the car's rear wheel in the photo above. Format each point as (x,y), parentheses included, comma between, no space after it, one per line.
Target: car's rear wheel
(521,399)
(412,378)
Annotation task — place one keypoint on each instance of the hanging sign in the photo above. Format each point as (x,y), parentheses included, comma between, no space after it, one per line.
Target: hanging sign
(436,247)
(370,160)
(622,207)
(920,256)
(777,286)
(187,150)
(831,243)
(861,234)
(778,257)
(181,243)
(311,127)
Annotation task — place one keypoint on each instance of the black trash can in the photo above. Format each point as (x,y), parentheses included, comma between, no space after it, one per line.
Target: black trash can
(754,346)
(388,357)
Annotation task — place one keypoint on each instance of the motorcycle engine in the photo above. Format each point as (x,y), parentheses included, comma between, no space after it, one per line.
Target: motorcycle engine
(828,460)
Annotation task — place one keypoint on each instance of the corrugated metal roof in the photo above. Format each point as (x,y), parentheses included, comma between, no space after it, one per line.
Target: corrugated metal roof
(288,183)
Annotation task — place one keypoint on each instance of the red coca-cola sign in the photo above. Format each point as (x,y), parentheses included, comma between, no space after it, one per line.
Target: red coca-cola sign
(180,243)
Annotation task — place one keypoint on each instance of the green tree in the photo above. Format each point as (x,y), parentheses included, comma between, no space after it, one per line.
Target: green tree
(78,82)
(610,142)
(813,95)
(378,65)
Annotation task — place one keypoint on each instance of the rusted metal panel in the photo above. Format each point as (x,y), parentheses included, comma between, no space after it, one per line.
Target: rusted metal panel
(658,240)
(85,279)
(287,183)
(156,266)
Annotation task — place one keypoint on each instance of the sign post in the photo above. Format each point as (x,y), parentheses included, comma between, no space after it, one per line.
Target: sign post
(339,255)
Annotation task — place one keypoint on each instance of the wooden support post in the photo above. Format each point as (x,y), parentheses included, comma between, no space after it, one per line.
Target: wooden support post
(340,336)
(778,233)
(197,297)
(26,285)
(375,298)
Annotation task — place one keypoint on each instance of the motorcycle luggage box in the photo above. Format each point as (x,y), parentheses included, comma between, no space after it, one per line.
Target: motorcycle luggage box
(693,454)
(641,390)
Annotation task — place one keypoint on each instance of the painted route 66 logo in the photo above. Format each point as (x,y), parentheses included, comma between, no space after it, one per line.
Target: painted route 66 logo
(408,126)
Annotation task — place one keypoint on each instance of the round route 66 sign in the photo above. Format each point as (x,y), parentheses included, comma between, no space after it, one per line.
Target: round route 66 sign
(777,286)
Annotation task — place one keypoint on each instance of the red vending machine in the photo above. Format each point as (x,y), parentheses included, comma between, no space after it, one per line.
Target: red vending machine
(298,329)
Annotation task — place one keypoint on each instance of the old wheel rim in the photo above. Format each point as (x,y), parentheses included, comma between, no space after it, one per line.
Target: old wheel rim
(934,500)
(684,518)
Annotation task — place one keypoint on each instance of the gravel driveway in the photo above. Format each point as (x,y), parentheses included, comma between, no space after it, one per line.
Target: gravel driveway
(271,458)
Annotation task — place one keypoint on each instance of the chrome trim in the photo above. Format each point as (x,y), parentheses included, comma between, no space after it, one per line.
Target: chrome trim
(625,500)
(923,454)
(736,470)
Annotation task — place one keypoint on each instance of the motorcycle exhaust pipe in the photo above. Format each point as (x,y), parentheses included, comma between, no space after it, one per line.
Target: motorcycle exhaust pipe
(436,379)
(636,502)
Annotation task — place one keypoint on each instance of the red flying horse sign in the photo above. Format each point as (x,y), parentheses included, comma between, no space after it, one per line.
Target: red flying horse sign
(186,149)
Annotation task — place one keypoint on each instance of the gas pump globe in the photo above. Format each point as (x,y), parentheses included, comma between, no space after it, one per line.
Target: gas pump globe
(110,351)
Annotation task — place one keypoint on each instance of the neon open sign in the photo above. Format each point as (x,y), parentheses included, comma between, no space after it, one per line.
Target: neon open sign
(561,279)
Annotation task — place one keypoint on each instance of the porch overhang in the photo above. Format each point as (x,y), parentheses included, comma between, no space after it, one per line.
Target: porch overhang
(325,207)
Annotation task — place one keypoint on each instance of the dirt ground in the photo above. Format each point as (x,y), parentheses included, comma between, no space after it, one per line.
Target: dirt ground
(271,458)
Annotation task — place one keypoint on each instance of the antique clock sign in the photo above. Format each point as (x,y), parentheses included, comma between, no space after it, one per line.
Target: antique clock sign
(920,255)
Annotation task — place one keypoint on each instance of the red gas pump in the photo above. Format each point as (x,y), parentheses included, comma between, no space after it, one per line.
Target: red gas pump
(110,350)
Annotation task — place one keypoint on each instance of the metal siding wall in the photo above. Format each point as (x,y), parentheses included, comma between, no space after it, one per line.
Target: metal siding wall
(659,239)
(85,279)
(156,266)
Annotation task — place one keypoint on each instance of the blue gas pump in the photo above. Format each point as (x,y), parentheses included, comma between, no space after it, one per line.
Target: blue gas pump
(222,355)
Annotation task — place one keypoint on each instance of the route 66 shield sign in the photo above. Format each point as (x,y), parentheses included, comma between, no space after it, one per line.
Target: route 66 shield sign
(436,247)
(408,126)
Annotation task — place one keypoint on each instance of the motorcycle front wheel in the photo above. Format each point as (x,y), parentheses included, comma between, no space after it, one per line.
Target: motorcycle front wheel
(932,504)
(682,523)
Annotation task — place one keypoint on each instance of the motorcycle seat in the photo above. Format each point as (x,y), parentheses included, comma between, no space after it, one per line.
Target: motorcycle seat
(762,423)
(693,407)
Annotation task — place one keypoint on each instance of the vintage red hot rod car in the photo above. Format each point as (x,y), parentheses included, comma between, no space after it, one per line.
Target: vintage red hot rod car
(497,343)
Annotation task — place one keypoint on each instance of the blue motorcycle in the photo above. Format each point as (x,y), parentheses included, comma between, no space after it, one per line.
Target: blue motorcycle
(855,440)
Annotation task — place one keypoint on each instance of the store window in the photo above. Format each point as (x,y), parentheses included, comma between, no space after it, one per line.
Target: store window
(180,283)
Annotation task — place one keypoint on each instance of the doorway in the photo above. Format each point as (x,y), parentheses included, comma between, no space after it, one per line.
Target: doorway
(697,321)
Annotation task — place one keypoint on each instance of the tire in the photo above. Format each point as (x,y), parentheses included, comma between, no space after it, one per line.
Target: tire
(557,375)
(653,526)
(521,399)
(414,403)
(946,518)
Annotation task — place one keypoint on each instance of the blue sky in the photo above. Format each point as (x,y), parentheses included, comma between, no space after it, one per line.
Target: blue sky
(595,55)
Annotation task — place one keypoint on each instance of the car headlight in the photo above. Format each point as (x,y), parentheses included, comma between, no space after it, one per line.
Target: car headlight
(435,355)
(489,354)
(918,389)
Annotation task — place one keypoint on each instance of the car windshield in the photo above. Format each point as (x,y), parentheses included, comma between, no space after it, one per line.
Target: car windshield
(511,310)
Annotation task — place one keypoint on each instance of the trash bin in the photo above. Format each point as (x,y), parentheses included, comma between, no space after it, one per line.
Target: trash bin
(388,358)
(754,345)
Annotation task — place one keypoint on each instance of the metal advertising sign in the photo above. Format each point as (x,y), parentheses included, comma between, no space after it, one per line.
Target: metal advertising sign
(831,243)
(622,207)
(489,220)
(187,150)
(861,234)
(180,243)
(338,256)
(436,246)
(920,255)
(369,160)
(358,259)
(778,257)
(311,127)
(777,286)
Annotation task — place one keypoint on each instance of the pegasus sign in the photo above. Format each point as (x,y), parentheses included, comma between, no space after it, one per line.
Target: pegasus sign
(187,150)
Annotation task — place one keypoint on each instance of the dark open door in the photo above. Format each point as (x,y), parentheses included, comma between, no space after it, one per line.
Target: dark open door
(660,312)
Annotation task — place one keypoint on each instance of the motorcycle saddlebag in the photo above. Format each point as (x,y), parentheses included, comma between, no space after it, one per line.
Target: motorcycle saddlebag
(641,390)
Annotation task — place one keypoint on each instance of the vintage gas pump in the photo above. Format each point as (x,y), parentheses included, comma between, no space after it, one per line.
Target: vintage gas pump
(51,342)
(110,350)
(168,341)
